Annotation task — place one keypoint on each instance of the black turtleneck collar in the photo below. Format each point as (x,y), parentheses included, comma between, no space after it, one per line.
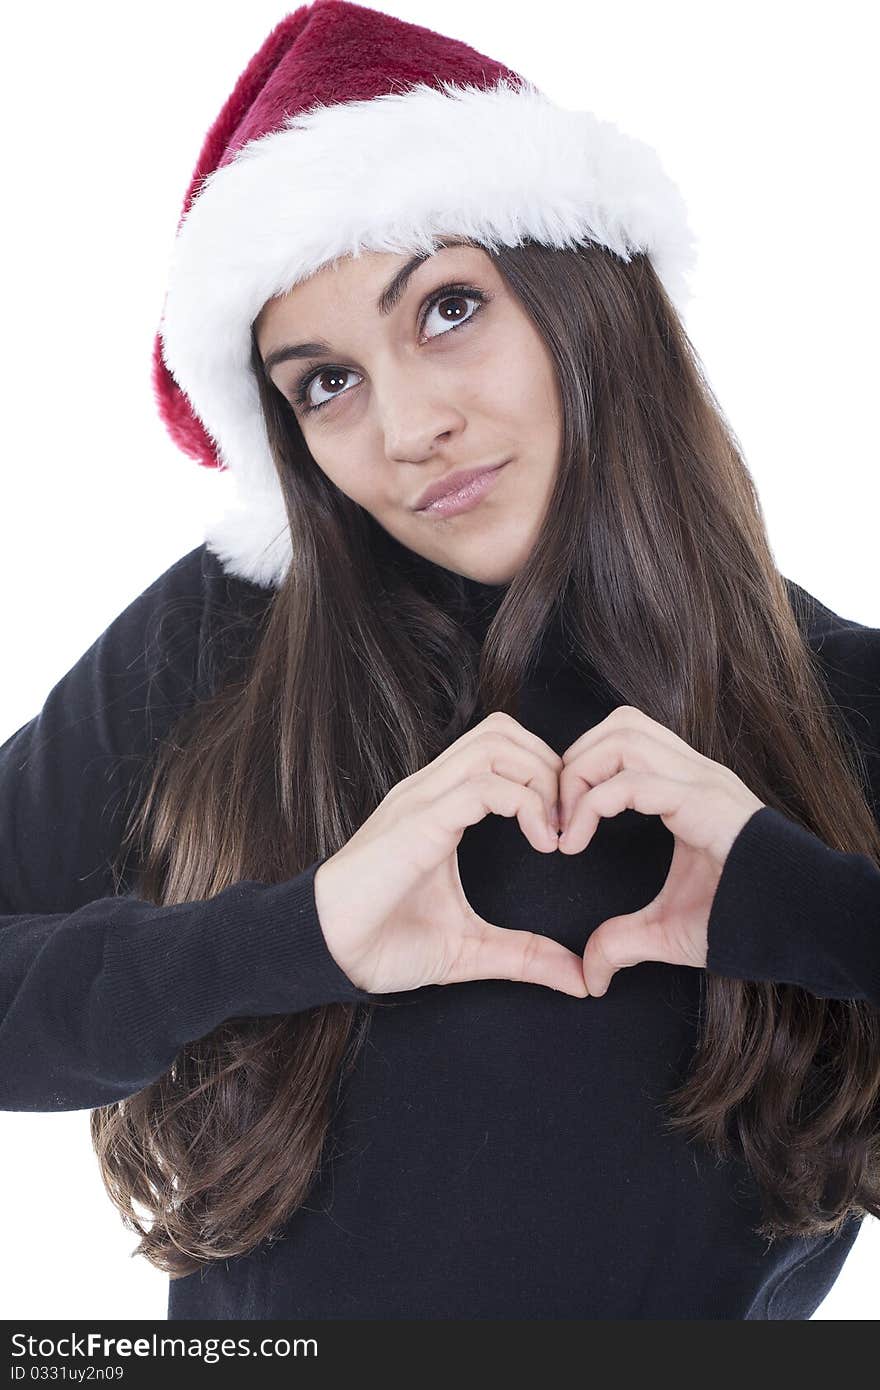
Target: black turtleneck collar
(470,600)
(479,603)
(474,603)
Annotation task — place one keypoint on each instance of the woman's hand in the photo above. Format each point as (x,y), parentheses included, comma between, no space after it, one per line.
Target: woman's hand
(391,904)
(629,761)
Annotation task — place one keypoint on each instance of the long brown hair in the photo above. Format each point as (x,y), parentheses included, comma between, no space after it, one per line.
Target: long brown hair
(656,538)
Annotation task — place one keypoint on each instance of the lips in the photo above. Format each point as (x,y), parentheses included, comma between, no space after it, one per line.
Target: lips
(453,482)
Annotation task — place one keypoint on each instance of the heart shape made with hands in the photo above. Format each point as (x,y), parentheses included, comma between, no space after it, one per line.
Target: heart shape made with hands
(629,761)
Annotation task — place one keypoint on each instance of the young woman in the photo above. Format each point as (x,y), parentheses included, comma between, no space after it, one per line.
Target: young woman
(363,1035)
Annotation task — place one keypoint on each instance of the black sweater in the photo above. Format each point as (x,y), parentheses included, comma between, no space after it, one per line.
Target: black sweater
(499,1149)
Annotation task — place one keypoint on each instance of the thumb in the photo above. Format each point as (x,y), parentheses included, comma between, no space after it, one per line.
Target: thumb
(617,943)
(490,952)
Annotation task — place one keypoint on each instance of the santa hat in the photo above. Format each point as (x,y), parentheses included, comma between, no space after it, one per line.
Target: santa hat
(353,131)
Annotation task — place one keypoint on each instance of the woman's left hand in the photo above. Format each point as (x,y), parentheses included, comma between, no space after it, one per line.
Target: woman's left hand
(629,761)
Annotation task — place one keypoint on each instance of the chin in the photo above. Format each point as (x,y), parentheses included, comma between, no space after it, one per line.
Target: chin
(483,576)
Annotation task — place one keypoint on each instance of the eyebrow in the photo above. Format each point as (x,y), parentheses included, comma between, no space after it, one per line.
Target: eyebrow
(388,299)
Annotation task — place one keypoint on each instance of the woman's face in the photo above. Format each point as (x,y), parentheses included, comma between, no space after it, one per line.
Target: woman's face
(396,396)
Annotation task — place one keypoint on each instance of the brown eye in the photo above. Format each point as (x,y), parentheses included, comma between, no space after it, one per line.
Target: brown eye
(329,379)
(449,294)
(457,301)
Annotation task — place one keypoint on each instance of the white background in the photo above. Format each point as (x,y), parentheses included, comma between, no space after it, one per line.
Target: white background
(766,117)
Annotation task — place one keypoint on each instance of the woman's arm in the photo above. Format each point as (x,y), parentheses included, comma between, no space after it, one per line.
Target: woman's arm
(787,907)
(96,1003)
(99,990)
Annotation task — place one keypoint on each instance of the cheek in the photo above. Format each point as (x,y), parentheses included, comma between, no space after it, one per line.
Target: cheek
(347,480)
(542,410)
(360,486)
(520,382)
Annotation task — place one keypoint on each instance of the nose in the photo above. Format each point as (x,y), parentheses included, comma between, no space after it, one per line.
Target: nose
(415,413)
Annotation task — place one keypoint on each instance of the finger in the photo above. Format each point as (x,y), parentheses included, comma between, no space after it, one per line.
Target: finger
(500,722)
(602,759)
(621,942)
(494,752)
(627,719)
(646,792)
(471,801)
(500,953)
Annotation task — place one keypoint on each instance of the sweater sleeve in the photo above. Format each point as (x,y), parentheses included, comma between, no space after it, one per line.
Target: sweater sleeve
(787,907)
(99,990)
(790,909)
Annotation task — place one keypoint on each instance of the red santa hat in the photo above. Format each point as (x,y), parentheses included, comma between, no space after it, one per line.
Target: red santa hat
(354,131)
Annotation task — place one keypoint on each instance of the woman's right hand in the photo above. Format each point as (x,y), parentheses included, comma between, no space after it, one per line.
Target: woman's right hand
(390,902)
